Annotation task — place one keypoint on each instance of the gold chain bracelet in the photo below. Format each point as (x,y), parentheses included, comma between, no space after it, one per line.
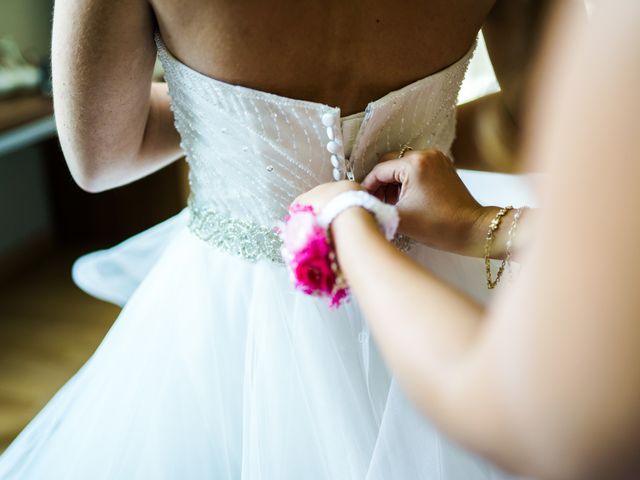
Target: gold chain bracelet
(511,237)
(404,149)
(491,235)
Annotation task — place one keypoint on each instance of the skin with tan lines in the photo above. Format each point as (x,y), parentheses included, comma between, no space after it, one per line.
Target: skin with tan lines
(544,382)
(115,129)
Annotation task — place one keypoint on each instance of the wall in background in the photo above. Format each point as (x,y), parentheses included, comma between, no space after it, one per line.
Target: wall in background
(24,209)
(25,217)
(29,23)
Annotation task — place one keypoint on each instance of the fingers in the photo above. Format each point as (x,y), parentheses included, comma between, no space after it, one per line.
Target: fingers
(392,193)
(379,193)
(390,171)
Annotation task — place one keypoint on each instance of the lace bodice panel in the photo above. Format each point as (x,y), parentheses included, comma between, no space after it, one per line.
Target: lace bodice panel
(251,152)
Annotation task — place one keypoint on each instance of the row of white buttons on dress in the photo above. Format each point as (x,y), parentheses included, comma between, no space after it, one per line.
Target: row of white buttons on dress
(341,167)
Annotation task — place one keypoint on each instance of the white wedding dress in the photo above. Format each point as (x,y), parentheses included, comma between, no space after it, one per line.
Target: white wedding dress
(217,368)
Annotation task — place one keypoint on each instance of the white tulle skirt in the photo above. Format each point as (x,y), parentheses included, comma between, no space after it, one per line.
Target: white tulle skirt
(218,369)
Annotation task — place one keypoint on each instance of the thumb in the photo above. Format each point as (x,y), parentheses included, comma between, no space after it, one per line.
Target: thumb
(391,171)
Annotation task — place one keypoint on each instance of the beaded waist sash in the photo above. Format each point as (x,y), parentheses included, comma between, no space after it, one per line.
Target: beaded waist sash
(238,237)
(246,239)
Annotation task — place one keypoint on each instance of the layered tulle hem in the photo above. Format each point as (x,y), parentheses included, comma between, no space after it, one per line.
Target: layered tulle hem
(218,368)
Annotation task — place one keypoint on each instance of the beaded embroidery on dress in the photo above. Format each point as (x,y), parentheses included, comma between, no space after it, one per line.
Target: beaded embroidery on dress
(217,368)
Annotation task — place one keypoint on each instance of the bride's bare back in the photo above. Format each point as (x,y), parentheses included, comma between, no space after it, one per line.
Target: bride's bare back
(113,131)
(334,52)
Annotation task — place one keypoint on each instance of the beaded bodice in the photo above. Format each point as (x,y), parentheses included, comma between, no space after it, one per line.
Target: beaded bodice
(251,152)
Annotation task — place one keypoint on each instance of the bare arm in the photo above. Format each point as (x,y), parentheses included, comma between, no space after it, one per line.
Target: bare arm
(488,129)
(512,33)
(114,125)
(546,382)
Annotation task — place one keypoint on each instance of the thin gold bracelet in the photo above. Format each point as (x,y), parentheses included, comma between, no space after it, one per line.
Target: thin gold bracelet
(511,237)
(404,149)
(491,235)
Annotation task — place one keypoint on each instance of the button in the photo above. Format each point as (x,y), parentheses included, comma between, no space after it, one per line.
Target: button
(328,119)
(337,175)
(330,133)
(333,146)
(335,161)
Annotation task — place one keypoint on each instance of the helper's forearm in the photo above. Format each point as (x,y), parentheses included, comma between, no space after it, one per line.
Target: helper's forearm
(429,335)
(423,327)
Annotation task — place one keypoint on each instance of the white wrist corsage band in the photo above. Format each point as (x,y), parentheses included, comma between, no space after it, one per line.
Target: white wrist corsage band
(307,248)
(386,215)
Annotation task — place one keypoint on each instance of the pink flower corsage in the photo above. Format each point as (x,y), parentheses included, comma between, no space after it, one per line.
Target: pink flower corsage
(309,256)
